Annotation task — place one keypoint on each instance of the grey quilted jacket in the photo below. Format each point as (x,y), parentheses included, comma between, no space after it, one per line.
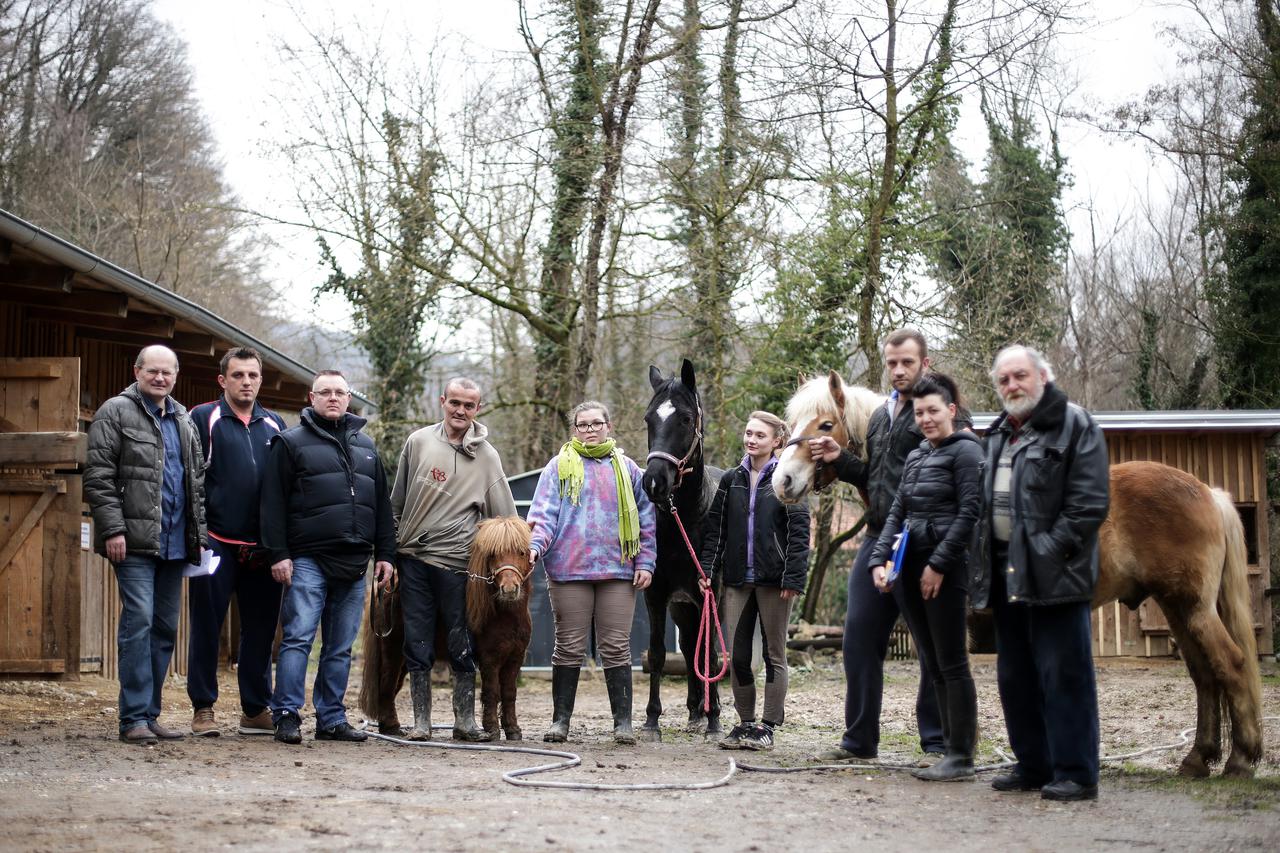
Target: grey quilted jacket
(125,470)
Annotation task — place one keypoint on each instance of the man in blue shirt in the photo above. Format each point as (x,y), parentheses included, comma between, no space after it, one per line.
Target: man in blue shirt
(143,480)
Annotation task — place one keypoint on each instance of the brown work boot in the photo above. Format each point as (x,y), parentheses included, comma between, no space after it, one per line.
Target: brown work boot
(202,723)
(139,734)
(259,724)
(164,732)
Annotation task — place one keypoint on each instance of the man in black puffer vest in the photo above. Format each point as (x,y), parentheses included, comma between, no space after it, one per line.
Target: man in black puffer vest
(325,511)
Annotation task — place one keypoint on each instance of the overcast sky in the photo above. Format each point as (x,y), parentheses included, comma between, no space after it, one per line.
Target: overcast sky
(233,51)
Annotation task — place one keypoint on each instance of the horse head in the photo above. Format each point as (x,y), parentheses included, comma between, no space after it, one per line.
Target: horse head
(823,406)
(499,571)
(674,424)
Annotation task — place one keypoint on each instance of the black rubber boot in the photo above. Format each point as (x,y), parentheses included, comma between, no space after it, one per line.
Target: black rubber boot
(420,691)
(618,681)
(564,690)
(962,718)
(464,709)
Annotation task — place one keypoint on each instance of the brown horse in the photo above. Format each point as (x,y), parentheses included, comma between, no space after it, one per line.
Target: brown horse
(1168,537)
(498,614)
(382,636)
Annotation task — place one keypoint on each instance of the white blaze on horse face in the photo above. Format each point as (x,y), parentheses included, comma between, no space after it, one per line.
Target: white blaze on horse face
(666,410)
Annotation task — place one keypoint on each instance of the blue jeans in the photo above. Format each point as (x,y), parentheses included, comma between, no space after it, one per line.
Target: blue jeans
(150,589)
(335,606)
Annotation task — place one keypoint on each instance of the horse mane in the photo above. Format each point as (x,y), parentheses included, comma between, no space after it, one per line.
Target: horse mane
(495,537)
(814,396)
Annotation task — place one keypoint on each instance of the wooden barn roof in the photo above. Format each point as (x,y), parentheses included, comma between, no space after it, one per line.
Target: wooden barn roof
(1265,421)
(61,282)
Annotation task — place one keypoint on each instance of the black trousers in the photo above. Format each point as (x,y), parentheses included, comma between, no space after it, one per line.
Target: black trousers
(1044,669)
(429,593)
(259,599)
(868,622)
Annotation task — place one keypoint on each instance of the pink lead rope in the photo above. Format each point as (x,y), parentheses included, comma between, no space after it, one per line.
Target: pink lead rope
(710,616)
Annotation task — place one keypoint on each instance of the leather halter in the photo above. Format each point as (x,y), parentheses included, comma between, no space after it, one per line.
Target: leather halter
(505,567)
(681,463)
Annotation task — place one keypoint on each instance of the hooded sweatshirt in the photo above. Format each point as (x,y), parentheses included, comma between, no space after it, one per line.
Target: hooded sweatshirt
(443,490)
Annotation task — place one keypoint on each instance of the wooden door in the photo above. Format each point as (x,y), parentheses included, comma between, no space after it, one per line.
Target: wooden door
(40,449)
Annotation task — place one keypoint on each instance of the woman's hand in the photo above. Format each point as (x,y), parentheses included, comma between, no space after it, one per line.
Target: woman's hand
(533,557)
(642,579)
(704,583)
(879,577)
(788,594)
(930,583)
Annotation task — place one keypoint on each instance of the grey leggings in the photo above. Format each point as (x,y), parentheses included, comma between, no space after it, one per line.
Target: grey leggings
(613,605)
(743,606)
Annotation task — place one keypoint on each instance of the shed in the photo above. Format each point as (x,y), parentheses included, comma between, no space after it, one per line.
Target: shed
(1224,449)
(71,324)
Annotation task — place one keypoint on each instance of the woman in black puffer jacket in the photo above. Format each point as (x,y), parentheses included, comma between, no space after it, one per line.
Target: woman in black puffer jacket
(937,505)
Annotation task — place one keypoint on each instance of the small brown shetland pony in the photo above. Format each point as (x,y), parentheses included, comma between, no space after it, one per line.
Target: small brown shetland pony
(497,613)
(1168,537)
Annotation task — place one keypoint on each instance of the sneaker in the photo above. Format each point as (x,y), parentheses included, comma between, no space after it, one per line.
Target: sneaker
(760,737)
(203,724)
(288,729)
(342,731)
(164,732)
(258,724)
(733,740)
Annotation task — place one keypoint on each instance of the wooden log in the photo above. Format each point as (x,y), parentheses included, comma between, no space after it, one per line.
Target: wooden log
(43,448)
(17,368)
(34,666)
(817,643)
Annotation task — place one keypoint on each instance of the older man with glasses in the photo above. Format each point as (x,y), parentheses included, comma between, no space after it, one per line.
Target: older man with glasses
(448,478)
(325,512)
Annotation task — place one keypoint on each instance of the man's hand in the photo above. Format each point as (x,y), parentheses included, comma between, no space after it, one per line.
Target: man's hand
(642,579)
(116,548)
(824,449)
(282,572)
(384,573)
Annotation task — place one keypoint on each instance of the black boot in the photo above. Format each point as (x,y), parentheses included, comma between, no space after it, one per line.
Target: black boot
(618,681)
(464,709)
(564,690)
(420,691)
(962,717)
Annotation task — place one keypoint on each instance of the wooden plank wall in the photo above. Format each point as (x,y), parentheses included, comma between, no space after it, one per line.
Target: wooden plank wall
(1235,462)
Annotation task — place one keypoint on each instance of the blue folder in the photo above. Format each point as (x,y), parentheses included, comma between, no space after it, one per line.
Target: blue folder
(899,557)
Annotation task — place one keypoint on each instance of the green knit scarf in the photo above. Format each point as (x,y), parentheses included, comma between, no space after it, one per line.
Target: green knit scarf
(573,474)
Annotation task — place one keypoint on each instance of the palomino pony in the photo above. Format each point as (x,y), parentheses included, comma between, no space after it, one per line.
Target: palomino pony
(1168,537)
(675,477)
(501,627)
(498,614)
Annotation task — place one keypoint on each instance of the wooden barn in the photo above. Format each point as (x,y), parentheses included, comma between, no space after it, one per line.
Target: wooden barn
(1229,450)
(71,324)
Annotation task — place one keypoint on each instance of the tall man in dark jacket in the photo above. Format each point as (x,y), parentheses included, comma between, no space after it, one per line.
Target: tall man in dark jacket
(143,482)
(235,434)
(891,436)
(325,511)
(1045,491)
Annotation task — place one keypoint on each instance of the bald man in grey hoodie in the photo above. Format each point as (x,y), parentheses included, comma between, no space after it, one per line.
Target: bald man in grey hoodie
(449,478)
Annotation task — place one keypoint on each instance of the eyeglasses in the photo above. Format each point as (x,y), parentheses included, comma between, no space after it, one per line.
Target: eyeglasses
(594,426)
(152,373)
(332,392)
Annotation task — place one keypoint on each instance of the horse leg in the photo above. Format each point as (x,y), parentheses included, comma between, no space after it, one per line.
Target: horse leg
(1207,747)
(391,675)
(507,681)
(656,604)
(1227,664)
(687,617)
(489,693)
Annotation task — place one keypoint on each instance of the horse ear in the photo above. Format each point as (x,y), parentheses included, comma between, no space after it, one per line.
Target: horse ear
(837,388)
(686,375)
(801,377)
(655,377)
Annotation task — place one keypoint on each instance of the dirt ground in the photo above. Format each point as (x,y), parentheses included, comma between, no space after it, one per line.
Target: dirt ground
(67,784)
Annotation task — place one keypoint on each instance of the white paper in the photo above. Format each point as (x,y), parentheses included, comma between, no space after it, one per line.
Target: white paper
(208,565)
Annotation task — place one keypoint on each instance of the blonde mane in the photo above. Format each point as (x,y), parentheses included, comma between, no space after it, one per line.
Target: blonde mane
(813,398)
(496,538)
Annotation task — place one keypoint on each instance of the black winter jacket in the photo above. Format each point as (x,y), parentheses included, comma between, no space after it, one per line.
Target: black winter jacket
(124,475)
(1059,496)
(888,444)
(780,549)
(235,458)
(325,492)
(937,502)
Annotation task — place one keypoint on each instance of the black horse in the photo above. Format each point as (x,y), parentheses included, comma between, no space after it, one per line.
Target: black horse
(676,476)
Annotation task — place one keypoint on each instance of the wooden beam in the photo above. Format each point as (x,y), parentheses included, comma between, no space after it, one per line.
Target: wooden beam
(138,322)
(11,548)
(12,487)
(40,276)
(6,251)
(33,369)
(196,343)
(92,301)
(37,666)
(42,448)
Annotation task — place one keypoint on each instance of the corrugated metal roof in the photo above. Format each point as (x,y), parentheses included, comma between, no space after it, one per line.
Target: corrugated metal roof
(23,233)
(1185,420)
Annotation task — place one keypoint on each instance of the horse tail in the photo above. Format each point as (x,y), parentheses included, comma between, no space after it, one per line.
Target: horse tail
(372,689)
(1236,611)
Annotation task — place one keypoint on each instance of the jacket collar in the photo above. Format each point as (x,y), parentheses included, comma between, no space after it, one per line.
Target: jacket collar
(475,437)
(348,424)
(228,412)
(172,406)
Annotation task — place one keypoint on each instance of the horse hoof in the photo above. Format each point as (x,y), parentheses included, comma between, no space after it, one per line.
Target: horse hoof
(1237,770)
(651,735)
(696,724)
(1194,767)
(713,735)
(391,729)
(512,734)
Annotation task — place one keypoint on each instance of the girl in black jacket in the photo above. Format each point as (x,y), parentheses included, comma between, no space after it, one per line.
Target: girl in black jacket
(762,547)
(936,507)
